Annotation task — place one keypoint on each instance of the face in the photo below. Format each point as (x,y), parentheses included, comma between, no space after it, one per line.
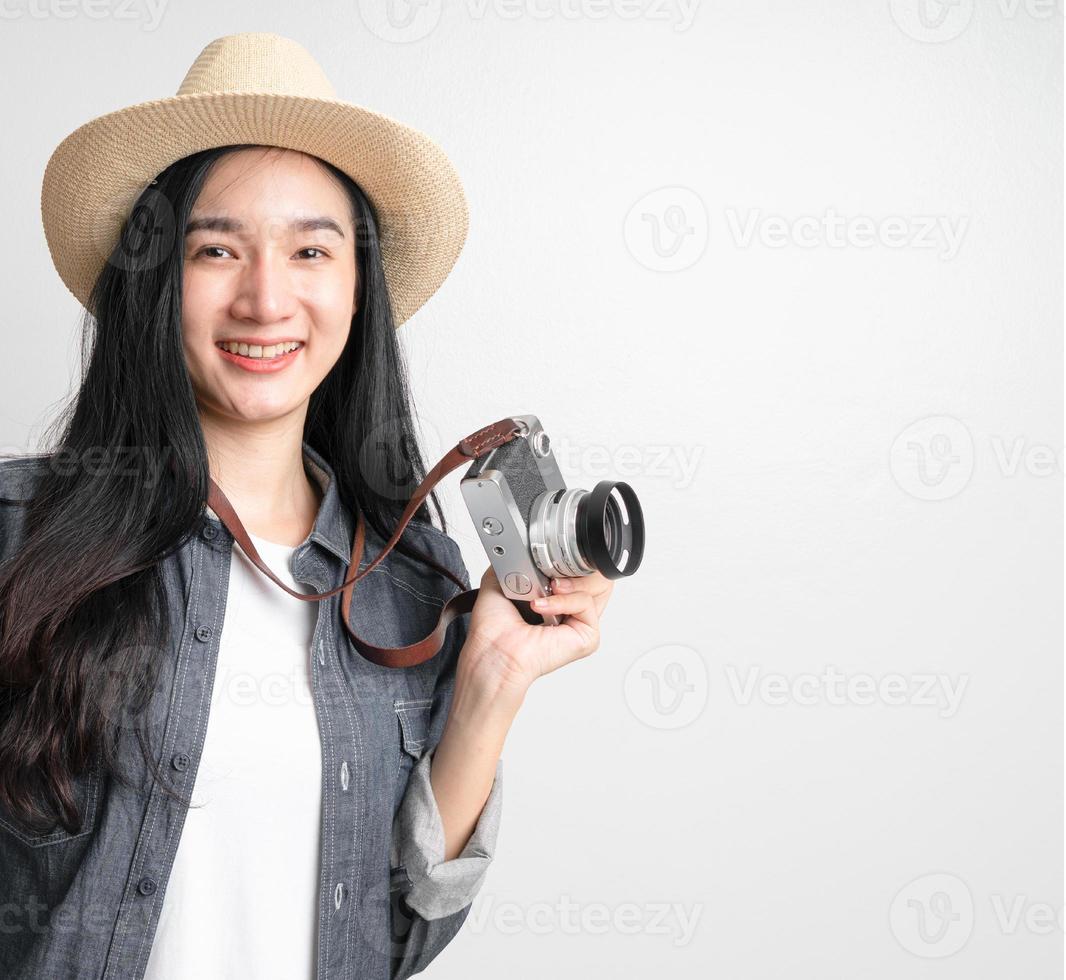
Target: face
(269,260)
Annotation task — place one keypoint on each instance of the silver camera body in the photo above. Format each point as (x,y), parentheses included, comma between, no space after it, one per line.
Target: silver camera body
(533,528)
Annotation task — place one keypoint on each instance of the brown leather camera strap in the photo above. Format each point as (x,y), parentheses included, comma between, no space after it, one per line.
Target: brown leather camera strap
(472,447)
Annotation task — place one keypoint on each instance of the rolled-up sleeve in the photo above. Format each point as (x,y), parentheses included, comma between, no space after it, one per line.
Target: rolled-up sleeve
(439,888)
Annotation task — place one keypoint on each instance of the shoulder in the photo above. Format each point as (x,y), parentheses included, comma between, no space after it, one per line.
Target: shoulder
(18,475)
(431,533)
(441,547)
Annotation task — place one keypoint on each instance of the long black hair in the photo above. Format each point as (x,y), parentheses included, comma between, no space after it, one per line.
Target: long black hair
(82,604)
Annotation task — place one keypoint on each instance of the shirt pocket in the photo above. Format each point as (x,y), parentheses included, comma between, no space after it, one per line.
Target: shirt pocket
(87,791)
(412,718)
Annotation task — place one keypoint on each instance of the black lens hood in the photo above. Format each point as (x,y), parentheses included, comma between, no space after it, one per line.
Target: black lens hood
(591,512)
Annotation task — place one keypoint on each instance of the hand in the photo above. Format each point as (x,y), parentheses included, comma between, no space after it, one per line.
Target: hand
(505,654)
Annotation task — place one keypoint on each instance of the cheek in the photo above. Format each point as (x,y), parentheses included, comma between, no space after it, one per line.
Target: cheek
(198,316)
(201,291)
(337,299)
(195,306)
(331,314)
(326,347)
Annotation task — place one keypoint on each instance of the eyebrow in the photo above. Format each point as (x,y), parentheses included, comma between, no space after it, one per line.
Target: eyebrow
(222,223)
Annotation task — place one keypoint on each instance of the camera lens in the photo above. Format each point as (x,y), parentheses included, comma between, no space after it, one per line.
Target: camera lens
(578,532)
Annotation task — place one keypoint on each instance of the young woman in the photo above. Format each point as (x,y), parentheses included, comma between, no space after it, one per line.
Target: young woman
(199,774)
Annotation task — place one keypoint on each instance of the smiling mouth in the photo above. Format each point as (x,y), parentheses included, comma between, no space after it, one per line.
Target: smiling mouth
(257,351)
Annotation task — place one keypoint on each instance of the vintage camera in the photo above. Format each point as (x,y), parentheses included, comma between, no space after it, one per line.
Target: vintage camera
(535,529)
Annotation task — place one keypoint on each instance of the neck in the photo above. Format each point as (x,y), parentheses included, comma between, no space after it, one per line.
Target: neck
(260,469)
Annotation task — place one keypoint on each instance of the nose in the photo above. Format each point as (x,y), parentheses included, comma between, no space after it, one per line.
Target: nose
(265,291)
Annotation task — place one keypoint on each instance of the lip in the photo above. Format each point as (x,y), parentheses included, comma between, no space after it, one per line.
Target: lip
(256,365)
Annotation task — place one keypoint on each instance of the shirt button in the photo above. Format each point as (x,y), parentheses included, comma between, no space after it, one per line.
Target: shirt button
(146,886)
(203,633)
(180,761)
(210,531)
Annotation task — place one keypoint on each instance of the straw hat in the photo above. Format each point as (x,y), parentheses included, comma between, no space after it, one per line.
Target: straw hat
(264,89)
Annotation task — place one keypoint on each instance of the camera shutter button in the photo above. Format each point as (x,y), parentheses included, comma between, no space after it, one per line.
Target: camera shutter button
(517,582)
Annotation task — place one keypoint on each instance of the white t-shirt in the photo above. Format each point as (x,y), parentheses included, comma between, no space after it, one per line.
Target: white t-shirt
(242,898)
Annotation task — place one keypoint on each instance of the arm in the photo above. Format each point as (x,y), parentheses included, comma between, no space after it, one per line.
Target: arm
(466,762)
(444,832)
(500,657)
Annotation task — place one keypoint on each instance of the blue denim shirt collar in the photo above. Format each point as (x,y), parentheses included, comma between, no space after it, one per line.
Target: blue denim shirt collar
(333,526)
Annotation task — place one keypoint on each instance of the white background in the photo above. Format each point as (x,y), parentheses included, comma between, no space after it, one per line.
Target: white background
(761,379)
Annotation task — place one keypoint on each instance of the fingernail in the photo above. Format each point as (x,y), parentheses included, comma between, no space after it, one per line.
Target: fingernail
(562,585)
(540,602)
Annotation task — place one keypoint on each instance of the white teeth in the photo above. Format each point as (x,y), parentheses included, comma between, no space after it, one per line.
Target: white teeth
(255,350)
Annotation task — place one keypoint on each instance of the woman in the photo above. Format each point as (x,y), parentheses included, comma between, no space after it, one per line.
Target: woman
(340,822)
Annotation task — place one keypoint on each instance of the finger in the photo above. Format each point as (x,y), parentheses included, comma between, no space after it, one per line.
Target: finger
(594,584)
(597,585)
(578,612)
(579,605)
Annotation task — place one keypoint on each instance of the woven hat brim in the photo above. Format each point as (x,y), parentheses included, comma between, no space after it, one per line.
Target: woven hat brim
(96,174)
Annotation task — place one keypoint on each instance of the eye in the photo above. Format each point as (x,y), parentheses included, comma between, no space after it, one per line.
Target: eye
(313,248)
(207,248)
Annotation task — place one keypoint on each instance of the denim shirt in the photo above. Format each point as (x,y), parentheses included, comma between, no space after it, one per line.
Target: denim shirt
(86,904)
